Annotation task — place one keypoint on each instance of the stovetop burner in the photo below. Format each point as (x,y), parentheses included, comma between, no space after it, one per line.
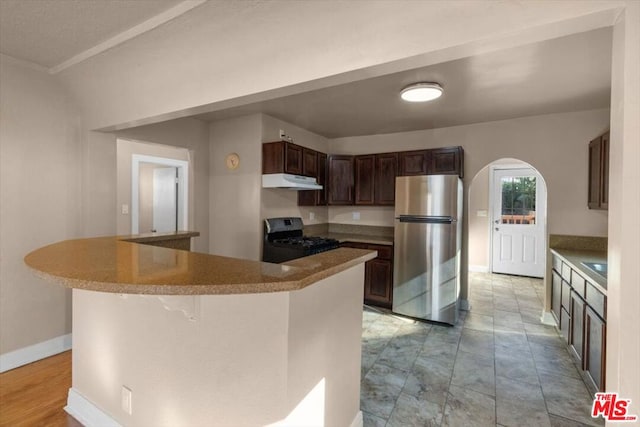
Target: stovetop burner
(284,241)
(305,241)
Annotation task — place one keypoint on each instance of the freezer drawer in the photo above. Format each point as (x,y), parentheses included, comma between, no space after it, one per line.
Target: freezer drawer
(426,282)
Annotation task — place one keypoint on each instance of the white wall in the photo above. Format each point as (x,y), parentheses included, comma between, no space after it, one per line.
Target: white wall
(181,139)
(234,195)
(225,50)
(40,200)
(555,144)
(623,316)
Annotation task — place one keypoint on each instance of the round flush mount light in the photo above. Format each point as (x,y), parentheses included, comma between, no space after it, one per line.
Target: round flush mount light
(421,92)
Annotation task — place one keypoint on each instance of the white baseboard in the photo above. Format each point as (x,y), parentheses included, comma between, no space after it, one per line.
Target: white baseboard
(479,268)
(88,414)
(32,353)
(548,319)
(357,421)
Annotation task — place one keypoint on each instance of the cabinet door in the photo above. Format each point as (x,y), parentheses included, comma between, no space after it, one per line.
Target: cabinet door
(576,339)
(321,195)
(413,162)
(595,183)
(386,170)
(378,289)
(293,159)
(309,163)
(556,295)
(364,179)
(595,338)
(445,161)
(604,172)
(273,157)
(340,180)
(309,168)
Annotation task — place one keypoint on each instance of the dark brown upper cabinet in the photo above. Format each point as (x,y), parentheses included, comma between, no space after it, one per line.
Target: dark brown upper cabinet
(437,161)
(364,174)
(386,170)
(599,172)
(282,157)
(446,161)
(414,162)
(321,195)
(314,164)
(340,182)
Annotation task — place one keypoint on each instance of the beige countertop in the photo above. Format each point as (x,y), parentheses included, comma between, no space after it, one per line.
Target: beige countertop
(110,264)
(159,237)
(575,258)
(360,238)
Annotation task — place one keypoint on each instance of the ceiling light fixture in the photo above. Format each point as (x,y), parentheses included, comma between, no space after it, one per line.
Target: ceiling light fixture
(421,92)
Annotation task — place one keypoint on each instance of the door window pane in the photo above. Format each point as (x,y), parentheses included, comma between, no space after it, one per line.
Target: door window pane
(518,200)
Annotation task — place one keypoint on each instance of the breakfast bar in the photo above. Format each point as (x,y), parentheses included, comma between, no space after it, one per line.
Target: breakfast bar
(168,337)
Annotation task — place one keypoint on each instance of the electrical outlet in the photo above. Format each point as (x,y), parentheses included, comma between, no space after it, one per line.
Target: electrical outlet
(312,216)
(126,399)
(356,216)
(283,134)
(125,209)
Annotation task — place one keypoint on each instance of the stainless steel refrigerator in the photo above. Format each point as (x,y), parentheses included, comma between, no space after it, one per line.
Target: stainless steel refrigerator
(428,231)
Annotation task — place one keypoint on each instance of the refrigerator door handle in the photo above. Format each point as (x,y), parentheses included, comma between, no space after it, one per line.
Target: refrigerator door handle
(427,219)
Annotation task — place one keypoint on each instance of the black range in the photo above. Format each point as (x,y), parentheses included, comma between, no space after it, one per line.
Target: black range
(284,240)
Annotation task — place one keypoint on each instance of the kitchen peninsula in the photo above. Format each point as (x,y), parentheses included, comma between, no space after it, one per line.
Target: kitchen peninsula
(169,337)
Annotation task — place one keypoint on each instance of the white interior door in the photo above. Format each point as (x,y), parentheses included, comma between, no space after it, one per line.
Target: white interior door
(519,212)
(165,199)
(171,191)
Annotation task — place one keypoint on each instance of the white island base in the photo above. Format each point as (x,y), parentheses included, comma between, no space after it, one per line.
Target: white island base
(281,359)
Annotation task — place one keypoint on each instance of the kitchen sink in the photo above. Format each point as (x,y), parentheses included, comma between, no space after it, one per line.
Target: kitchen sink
(597,267)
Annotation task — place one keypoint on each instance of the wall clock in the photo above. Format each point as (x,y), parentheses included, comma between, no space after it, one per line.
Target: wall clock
(232,161)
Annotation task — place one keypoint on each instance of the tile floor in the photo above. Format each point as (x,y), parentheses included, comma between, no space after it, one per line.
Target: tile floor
(498,367)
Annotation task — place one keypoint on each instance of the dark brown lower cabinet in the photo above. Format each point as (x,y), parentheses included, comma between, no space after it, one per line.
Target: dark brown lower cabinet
(556,295)
(576,341)
(580,309)
(565,324)
(595,351)
(378,274)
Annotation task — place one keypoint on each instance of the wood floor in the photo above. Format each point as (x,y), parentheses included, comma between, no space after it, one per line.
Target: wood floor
(35,394)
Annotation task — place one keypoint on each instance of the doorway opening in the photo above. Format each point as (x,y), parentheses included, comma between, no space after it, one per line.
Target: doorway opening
(159,194)
(507,219)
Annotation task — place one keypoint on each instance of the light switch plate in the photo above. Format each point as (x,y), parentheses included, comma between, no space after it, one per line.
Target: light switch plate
(126,399)
(482,213)
(356,216)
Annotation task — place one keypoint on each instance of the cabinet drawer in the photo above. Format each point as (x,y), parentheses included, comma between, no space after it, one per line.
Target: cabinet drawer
(596,300)
(566,272)
(566,296)
(578,283)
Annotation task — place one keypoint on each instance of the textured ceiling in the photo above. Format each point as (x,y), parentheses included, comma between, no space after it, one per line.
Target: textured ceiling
(49,32)
(571,73)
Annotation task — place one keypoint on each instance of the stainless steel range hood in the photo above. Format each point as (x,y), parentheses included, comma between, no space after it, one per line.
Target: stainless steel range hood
(289,181)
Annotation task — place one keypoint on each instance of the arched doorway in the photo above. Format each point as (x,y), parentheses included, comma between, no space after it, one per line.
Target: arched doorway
(507,219)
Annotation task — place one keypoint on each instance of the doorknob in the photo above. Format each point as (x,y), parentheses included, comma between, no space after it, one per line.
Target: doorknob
(497,221)
(497,229)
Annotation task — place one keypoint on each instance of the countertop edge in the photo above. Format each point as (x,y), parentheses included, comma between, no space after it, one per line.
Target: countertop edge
(316,270)
(566,255)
